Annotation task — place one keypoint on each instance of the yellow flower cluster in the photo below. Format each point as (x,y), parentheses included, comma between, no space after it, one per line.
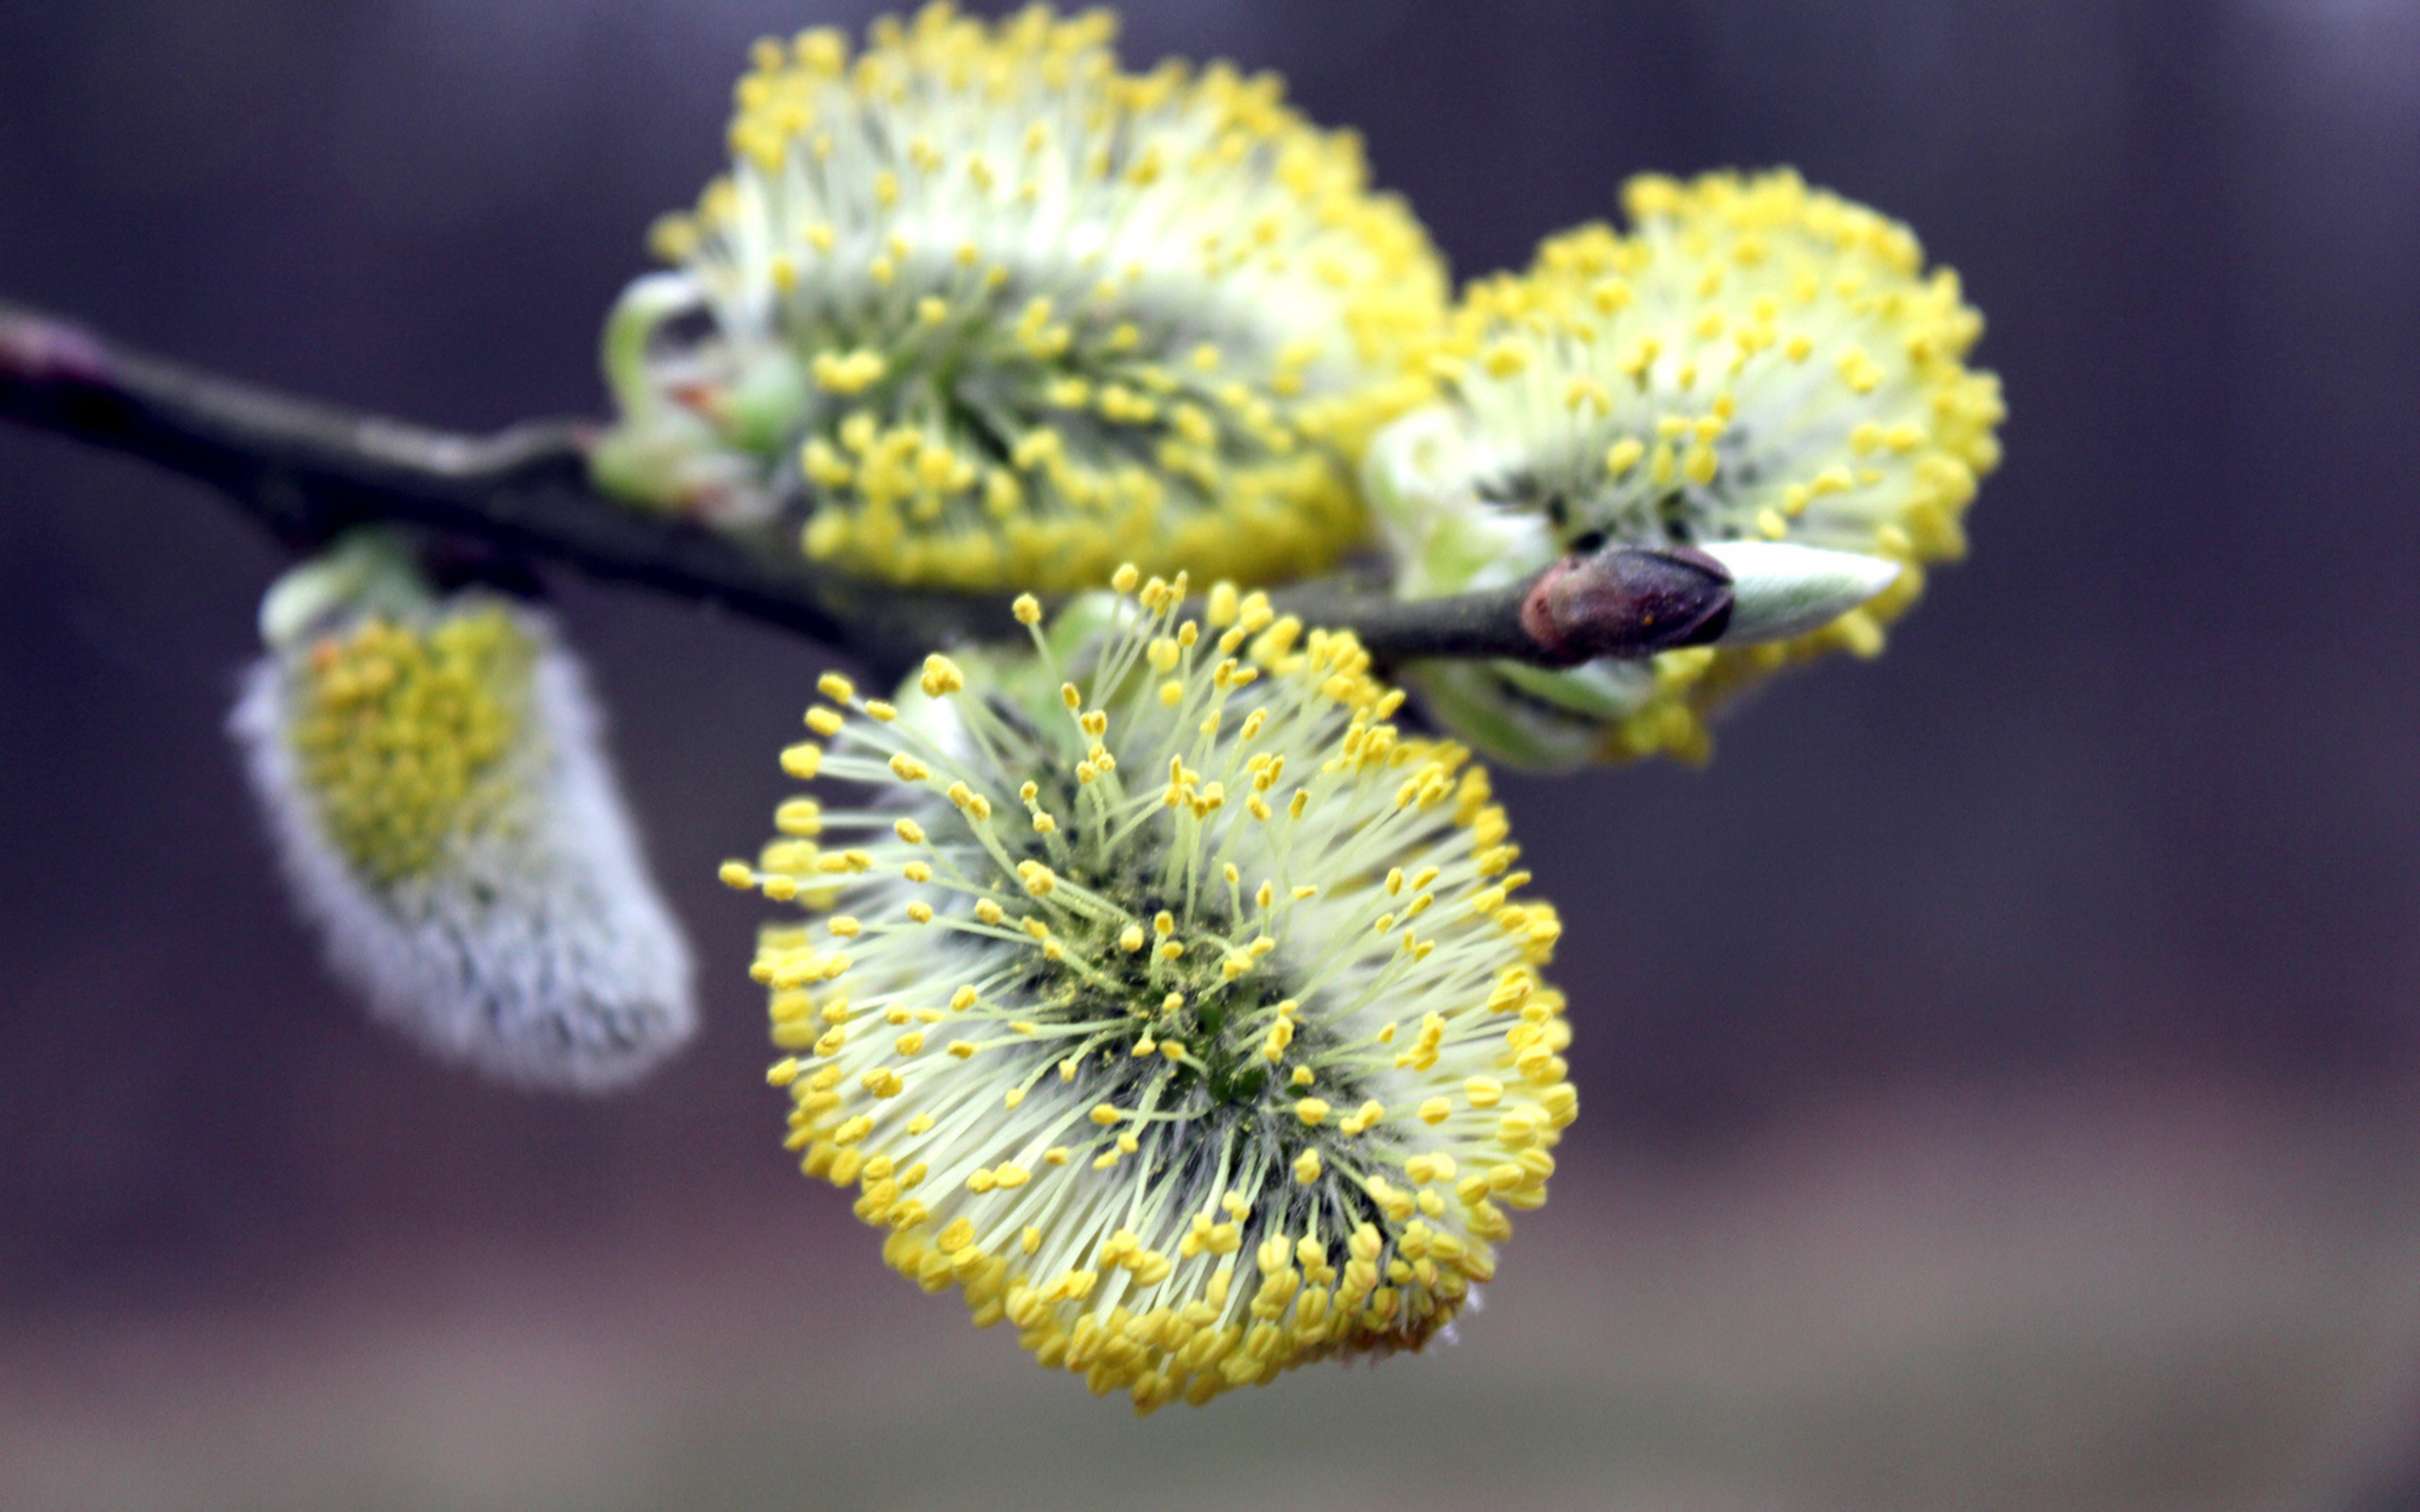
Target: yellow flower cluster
(1756,359)
(401,732)
(1167,1002)
(1044,314)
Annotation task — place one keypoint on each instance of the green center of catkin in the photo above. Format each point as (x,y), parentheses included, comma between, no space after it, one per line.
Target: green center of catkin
(1223,1082)
(1206,1023)
(1587,510)
(1133,986)
(1233,1098)
(400,732)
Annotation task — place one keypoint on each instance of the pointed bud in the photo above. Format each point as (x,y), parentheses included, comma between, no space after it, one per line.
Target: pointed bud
(1630,603)
(1779,591)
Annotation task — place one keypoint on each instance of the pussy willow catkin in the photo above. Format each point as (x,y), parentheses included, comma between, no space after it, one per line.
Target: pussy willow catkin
(1163,997)
(433,773)
(1754,360)
(989,310)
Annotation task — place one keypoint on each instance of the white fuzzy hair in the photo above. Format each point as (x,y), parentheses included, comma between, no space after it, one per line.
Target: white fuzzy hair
(538,952)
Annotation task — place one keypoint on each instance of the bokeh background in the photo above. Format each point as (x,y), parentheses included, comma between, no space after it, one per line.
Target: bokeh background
(2001,1068)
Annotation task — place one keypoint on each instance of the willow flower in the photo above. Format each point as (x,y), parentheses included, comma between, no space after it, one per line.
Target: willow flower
(1756,361)
(433,774)
(990,310)
(1167,1002)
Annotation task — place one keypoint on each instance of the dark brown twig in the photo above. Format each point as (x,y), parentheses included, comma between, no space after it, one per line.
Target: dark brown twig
(306,471)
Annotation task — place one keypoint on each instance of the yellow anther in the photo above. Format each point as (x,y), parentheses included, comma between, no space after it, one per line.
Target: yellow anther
(941,675)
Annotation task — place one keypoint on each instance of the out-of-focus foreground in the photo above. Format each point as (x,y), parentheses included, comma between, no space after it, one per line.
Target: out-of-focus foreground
(2010,1305)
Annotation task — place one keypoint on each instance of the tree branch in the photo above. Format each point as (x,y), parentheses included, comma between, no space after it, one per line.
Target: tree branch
(307,472)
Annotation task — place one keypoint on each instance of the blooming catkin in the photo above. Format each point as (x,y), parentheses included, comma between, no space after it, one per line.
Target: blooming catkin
(1756,360)
(1162,998)
(986,309)
(434,779)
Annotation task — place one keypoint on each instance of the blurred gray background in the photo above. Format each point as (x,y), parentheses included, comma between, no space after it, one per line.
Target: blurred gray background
(1999,1067)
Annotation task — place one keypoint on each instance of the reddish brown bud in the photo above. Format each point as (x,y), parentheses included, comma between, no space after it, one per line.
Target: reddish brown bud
(1628,601)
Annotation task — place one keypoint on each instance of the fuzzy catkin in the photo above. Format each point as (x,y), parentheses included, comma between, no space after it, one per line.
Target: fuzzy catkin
(532,945)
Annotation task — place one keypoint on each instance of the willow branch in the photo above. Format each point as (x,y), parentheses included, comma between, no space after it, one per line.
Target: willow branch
(306,471)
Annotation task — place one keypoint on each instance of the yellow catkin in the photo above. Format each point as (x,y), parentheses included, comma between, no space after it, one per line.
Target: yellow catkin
(1773,362)
(1083,314)
(1159,1010)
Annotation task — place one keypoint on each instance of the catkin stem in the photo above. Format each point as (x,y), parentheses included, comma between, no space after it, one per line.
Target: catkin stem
(307,472)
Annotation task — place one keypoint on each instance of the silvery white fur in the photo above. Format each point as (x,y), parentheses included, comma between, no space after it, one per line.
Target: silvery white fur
(540,951)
